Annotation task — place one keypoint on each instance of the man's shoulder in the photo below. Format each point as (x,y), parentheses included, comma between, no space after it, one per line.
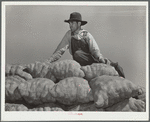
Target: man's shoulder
(84,34)
(83,31)
(68,35)
(68,32)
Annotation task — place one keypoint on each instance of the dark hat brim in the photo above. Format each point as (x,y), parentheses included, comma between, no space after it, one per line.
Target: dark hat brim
(82,22)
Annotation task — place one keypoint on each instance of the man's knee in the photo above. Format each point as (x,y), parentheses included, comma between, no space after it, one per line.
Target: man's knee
(83,58)
(78,54)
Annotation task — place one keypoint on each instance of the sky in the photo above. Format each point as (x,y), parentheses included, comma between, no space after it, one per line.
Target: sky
(34,31)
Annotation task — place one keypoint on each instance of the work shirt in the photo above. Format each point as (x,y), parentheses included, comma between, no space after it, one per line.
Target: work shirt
(82,34)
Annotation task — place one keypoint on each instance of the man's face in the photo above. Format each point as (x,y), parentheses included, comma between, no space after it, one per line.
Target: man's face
(73,26)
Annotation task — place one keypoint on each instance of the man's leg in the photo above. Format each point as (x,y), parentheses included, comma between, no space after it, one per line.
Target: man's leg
(86,59)
(83,58)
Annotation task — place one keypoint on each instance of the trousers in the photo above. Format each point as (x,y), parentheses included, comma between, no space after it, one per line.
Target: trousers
(83,58)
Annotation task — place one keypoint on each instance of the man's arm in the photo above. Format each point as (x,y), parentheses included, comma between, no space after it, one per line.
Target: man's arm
(94,49)
(57,55)
(98,56)
(61,48)
(64,41)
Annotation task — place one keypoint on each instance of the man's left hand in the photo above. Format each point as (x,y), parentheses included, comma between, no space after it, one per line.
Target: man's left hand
(101,60)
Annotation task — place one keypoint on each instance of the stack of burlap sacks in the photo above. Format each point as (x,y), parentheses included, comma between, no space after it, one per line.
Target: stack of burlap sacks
(67,86)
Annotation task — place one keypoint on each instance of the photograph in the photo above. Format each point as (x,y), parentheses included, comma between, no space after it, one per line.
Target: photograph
(74,61)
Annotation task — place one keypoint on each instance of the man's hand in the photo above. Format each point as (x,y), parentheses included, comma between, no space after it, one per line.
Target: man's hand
(101,60)
(98,56)
(57,55)
(107,61)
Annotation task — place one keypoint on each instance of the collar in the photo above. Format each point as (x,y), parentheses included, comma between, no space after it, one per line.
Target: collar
(75,33)
(78,35)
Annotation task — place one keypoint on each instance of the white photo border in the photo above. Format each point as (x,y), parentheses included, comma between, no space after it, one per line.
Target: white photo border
(56,116)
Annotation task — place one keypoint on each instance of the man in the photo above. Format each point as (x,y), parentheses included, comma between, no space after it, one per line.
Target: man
(82,45)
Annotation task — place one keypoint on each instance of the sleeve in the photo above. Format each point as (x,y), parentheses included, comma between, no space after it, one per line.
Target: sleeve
(93,47)
(64,41)
(92,44)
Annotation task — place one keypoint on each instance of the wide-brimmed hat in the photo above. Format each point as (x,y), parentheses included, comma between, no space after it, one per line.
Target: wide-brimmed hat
(75,16)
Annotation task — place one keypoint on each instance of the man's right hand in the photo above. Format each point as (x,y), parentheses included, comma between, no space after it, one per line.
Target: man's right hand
(57,55)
